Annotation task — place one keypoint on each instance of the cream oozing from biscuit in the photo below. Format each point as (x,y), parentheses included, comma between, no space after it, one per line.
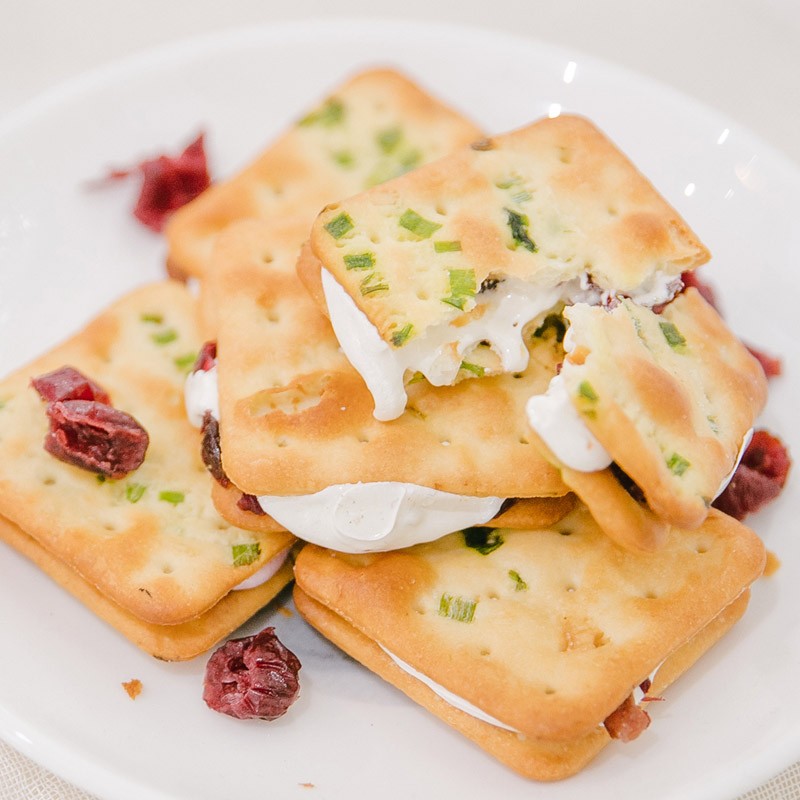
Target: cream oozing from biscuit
(266,572)
(553,416)
(446,695)
(359,517)
(201,394)
(500,315)
(374,517)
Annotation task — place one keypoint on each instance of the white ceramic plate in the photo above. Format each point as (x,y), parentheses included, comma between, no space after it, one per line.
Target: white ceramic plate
(733,722)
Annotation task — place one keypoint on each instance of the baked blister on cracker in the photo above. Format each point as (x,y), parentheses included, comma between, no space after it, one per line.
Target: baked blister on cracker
(422,273)
(296,428)
(373,127)
(537,645)
(150,544)
(649,414)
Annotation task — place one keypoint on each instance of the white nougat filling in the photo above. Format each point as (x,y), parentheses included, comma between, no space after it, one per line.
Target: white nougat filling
(439,352)
(446,695)
(374,517)
(266,572)
(360,517)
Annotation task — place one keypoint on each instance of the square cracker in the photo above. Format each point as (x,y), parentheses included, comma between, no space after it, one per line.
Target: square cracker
(537,759)
(549,203)
(547,631)
(166,642)
(164,562)
(295,417)
(376,125)
(670,396)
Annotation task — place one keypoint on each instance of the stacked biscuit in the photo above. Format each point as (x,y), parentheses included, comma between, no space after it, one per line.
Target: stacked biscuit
(462,373)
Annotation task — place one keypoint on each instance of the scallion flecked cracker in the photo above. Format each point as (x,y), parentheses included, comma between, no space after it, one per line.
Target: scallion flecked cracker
(549,203)
(152,541)
(546,631)
(375,126)
(295,417)
(671,397)
(166,642)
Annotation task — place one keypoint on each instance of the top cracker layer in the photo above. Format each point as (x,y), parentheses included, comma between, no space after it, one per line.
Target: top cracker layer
(372,128)
(548,203)
(151,541)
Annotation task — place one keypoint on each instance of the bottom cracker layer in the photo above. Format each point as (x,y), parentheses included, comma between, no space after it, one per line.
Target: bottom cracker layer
(537,759)
(167,642)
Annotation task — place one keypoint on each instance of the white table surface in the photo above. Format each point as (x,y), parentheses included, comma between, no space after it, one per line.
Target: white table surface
(740,56)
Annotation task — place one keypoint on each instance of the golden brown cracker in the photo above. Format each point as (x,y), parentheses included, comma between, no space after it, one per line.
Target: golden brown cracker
(152,541)
(376,125)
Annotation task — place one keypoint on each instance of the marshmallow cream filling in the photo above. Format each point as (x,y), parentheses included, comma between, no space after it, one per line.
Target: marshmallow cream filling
(502,313)
(360,517)
(446,695)
(266,572)
(373,517)
(561,428)
(200,394)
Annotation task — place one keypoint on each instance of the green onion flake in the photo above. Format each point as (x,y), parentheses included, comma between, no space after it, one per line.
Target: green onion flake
(329,114)
(587,392)
(677,464)
(457,608)
(399,338)
(155,318)
(165,336)
(484,540)
(185,361)
(462,287)
(418,225)
(360,261)
(172,497)
(134,492)
(340,225)
(673,336)
(475,369)
(244,554)
(519,583)
(519,230)
(446,247)
(389,139)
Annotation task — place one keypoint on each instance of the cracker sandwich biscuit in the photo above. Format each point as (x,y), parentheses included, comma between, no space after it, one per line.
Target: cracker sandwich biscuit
(422,271)
(296,418)
(528,642)
(151,542)
(375,126)
(669,399)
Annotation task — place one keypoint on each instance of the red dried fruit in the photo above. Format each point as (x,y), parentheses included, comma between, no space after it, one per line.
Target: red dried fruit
(168,183)
(249,502)
(627,722)
(706,292)
(772,366)
(95,437)
(758,479)
(252,677)
(67,383)
(210,450)
(206,358)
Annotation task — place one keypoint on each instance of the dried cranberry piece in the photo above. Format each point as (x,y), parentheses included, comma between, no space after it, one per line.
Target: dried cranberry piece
(96,437)
(627,722)
(210,450)
(206,358)
(758,479)
(67,383)
(249,502)
(252,677)
(771,365)
(706,292)
(168,183)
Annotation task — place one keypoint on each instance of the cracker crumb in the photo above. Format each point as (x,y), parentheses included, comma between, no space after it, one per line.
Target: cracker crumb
(773,564)
(287,612)
(307,785)
(133,687)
